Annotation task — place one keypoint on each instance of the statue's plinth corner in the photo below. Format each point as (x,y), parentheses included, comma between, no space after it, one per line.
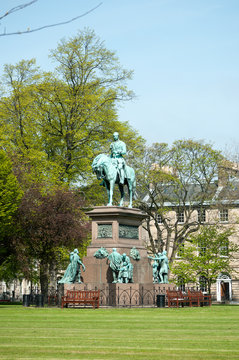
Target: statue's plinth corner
(116,211)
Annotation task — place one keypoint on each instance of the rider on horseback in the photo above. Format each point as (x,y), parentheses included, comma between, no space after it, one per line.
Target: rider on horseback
(113,170)
(118,149)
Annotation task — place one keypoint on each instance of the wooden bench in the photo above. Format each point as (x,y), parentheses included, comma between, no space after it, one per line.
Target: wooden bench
(52,300)
(86,297)
(176,298)
(197,298)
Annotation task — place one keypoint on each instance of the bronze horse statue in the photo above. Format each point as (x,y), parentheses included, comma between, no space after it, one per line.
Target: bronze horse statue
(106,169)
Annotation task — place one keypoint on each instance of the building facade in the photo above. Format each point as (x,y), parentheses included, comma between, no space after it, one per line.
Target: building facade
(221,209)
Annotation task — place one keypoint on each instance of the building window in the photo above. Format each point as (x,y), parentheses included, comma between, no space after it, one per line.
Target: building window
(201,215)
(181,283)
(202,248)
(180,216)
(223,215)
(224,249)
(159,219)
(203,283)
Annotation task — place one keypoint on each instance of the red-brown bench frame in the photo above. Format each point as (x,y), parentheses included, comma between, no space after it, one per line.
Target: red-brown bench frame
(176,298)
(77,297)
(197,298)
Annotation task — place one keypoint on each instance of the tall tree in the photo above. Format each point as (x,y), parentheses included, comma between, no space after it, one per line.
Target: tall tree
(18,124)
(175,184)
(10,192)
(46,221)
(65,119)
(209,253)
(10,197)
(79,110)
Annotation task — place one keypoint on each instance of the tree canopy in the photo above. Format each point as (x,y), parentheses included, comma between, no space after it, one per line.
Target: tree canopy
(10,197)
(52,125)
(44,222)
(59,121)
(205,256)
(10,192)
(175,184)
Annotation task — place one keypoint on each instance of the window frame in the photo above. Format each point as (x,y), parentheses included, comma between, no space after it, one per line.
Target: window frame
(224,250)
(181,217)
(181,284)
(203,286)
(159,219)
(201,215)
(223,215)
(202,249)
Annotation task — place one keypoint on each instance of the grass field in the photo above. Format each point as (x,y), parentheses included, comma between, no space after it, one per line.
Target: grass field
(157,333)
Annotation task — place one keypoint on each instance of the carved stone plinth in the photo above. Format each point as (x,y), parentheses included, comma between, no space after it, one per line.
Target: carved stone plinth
(120,228)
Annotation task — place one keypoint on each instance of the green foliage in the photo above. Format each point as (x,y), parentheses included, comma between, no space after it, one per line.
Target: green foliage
(46,223)
(17,116)
(208,254)
(56,123)
(9,269)
(53,125)
(10,196)
(10,192)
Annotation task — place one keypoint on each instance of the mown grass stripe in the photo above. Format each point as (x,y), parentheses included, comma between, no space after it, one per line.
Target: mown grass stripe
(199,333)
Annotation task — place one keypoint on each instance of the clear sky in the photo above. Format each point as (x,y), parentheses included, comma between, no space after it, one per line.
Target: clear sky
(184,53)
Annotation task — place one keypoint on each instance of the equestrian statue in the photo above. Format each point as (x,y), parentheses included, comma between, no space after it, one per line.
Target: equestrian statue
(113,170)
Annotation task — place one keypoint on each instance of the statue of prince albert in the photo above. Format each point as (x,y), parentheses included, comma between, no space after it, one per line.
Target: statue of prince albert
(118,149)
(113,170)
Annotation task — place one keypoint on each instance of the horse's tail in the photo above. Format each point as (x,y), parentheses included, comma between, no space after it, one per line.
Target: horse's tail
(130,175)
(134,188)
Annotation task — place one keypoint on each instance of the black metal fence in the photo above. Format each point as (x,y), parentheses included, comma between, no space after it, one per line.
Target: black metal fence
(33,299)
(117,296)
(131,297)
(122,297)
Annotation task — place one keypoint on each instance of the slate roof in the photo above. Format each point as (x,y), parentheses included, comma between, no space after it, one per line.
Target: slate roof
(227,194)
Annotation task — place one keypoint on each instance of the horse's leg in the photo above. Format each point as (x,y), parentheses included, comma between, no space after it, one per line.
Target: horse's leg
(107,185)
(121,189)
(130,189)
(111,189)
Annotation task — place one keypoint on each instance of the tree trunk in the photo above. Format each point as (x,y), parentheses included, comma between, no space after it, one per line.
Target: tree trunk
(209,287)
(44,275)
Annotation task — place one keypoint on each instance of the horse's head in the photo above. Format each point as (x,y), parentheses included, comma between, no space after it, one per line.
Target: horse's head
(99,164)
(101,253)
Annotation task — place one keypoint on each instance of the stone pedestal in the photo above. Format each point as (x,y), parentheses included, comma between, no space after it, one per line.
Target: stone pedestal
(120,228)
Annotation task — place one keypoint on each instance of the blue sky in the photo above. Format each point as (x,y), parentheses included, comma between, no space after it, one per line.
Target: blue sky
(184,53)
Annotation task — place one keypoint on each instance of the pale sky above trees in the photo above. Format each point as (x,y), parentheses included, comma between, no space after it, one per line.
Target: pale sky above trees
(184,54)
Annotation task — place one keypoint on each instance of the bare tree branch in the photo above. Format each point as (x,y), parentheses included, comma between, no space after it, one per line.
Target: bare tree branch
(17,8)
(45,26)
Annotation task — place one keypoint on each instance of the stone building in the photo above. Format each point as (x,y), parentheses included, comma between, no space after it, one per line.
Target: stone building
(223,208)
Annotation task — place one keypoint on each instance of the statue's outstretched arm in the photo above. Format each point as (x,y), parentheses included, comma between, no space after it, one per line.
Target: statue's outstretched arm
(123,151)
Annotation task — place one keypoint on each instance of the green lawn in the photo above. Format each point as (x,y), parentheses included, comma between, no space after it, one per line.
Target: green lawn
(187,333)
